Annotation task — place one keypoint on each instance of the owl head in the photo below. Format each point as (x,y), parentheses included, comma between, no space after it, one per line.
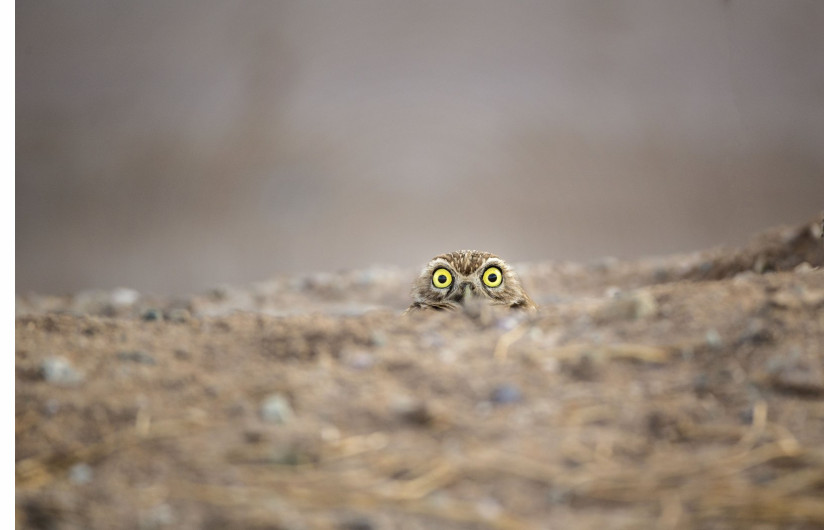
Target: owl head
(452,280)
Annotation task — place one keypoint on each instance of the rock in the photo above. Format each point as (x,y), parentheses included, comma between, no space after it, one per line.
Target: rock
(583,368)
(178,315)
(276,409)
(411,410)
(510,321)
(358,360)
(59,371)
(756,332)
(137,356)
(152,314)
(80,473)
(378,339)
(505,394)
(713,339)
(817,230)
(123,297)
(793,374)
(644,305)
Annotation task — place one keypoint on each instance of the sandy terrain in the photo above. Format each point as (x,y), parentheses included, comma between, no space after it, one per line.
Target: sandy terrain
(677,392)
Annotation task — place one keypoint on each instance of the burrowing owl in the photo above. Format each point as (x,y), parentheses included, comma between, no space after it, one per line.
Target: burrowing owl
(452,280)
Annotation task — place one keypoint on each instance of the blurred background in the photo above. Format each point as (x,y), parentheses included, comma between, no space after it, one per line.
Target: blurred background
(176,146)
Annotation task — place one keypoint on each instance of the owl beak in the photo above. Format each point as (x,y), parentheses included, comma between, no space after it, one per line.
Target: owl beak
(471,302)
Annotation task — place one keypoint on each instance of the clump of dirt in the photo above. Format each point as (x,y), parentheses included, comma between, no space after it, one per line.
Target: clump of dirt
(678,392)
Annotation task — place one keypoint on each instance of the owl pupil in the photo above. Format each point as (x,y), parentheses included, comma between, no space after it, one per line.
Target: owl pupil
(441,279)
(491,278)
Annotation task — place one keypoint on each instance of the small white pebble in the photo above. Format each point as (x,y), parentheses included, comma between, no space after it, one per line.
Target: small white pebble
(81,473)
(276,409)
(713,339)
(123,296)
(58,370)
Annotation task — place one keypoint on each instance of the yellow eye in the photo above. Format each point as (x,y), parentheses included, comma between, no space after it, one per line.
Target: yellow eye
(492,277)
(441,278)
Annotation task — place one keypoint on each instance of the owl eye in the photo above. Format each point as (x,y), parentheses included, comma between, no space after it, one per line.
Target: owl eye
(441,278)
(492,277)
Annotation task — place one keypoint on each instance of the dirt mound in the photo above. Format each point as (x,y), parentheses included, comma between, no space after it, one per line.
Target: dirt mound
(680,392)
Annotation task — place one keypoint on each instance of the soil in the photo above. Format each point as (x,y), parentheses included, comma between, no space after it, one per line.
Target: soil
(676,392)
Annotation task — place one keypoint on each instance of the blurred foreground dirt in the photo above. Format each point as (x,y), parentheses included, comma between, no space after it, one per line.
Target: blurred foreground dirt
(678,392)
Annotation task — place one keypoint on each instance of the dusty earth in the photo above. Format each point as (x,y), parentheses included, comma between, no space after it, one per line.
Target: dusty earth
(678,392)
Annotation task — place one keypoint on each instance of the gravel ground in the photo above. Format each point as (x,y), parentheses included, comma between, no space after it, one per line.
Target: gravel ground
(675,392)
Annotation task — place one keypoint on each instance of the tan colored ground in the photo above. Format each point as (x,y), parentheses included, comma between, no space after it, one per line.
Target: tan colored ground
(684,392)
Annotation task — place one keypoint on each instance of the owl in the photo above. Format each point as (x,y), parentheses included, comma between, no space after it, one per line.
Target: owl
(451,281)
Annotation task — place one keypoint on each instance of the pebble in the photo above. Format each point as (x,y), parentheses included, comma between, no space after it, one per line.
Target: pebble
(178,315)
(706,267)
(137,356)
(378,339)
(411,410)
(152,314)
(505,394)
(80,474)
(276,409)
(746,416)
(756,332)
(701,384)
(123,297)
(713,339)
(644,305)
(612,292)
(359,360)
(58,370)
(746,276)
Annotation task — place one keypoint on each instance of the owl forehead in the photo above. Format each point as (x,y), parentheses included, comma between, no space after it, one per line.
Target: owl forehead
(466,261)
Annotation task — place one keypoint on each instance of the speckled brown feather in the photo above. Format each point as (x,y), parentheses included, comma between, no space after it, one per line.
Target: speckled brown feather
(466,261)
(466,267)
